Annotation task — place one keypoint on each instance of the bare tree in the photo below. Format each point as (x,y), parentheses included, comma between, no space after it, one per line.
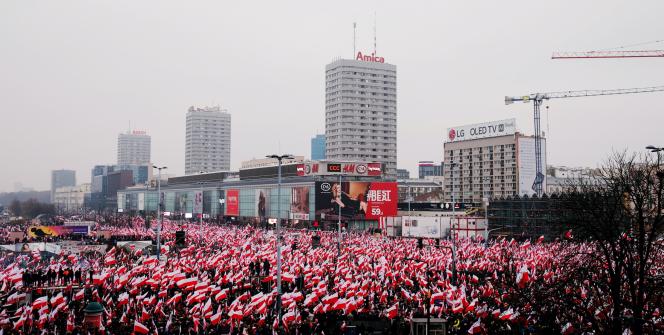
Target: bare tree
(620,214)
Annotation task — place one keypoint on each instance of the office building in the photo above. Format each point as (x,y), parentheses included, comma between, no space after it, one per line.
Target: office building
(429,169)
(489,160)
(134,148)
(208,140)
(403,174)
(70,199)
(361,111)
(61,178)
(318,147)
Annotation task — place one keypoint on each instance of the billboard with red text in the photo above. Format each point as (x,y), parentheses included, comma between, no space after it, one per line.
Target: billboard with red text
(232,202)
(356,200)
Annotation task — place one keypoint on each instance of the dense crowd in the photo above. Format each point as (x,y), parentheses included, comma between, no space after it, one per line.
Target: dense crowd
(223,280)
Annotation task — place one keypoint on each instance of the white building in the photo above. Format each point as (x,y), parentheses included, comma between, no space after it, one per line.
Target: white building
(361,111)
(134,148)
(489,160)
(208,142)
(71,198)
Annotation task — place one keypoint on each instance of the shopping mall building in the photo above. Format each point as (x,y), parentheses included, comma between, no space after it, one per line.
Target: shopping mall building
(309,195)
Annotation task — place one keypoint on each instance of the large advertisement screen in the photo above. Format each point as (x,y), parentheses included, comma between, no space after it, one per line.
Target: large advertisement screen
(300,203)
(232,202)
(48,231)
(356,200)
(198,202)
(262,202)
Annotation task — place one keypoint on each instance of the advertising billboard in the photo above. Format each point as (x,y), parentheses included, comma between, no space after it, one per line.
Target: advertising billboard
(300,203)
(481,130)
(262,202)
(47,231)
(345,168)
(356,200)
(527,164)
(198,202)
(232,202)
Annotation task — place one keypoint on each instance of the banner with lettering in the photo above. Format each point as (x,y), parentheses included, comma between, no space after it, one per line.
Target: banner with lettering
(355,200)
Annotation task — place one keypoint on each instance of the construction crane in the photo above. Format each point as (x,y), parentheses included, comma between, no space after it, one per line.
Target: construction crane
(617,52)
(608,54)
(537,99)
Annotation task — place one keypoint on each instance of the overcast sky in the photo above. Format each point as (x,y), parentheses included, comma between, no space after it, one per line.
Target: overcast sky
(73,74)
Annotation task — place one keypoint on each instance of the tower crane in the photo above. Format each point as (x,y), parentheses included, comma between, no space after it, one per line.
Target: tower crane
(608,54)
(618,52)
(537,99)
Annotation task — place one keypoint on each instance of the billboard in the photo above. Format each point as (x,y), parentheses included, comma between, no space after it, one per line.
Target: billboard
(232,202)
(141,201)
(335,168)
(356,200)
(300,203)
(198,202)
(262,202)
(527,164)
(47,231)
(481,130)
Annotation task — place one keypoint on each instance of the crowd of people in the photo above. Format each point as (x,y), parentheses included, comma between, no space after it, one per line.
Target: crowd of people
(223,280)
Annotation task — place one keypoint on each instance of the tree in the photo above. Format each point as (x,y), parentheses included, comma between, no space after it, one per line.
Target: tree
(15,207)
(620,214)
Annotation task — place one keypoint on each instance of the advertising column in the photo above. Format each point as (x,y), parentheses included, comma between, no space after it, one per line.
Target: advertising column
(232,202)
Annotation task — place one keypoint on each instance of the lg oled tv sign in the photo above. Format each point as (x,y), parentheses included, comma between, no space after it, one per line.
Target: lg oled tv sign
(481,130)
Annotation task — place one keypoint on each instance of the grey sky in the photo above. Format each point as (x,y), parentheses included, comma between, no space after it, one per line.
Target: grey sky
(74,73)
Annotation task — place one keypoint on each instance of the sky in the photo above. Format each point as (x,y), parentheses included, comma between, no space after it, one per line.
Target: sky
(74,74)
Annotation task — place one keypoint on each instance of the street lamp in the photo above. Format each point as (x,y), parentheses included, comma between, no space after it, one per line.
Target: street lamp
(159,223)
(486,212)
(653,148)
(339,222)
(279,158)
(454,272)
(200,220)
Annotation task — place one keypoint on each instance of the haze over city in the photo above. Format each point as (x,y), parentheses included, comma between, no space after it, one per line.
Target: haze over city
(75,74)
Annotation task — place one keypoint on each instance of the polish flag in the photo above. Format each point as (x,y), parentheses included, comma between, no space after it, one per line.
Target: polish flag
(79,295)
(175,299)
(187,283)
(235,315)
(476,328)
(214,320)
(330,299)
(506,315)
(523,277)
(140,328)
(40,302)
(145,315)
(540,239)
(221,295)
(123,299)
(392,312)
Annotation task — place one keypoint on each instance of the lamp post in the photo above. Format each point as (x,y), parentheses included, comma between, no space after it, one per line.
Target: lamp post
(279,158)
(454,272)
(339,222)
(159,222)
(658,150)
(200,218)
(486,212)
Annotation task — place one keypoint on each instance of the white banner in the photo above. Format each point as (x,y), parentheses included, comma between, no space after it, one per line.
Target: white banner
(141,201)
(481,130)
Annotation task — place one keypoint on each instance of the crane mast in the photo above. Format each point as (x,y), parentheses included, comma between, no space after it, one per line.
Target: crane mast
(538,98)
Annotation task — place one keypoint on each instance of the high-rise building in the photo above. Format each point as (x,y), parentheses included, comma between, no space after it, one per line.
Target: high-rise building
(134,148)
(361,111)
(318,147)
(208,142)
(429,169)
(61,178)
(489,160)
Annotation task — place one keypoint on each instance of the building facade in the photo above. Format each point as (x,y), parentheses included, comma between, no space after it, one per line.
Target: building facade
(361,111)
(403,174)
(429,169)
(208,140)
(303,198)
(489,160)
(318,147)
(134,148)
(61,178)
(72,198)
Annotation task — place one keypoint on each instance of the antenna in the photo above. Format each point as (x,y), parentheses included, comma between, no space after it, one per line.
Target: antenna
(354,29)
(375,53)
(129,129)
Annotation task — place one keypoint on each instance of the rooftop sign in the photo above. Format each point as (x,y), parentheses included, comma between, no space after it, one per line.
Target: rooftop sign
(369,58)
(481,130)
